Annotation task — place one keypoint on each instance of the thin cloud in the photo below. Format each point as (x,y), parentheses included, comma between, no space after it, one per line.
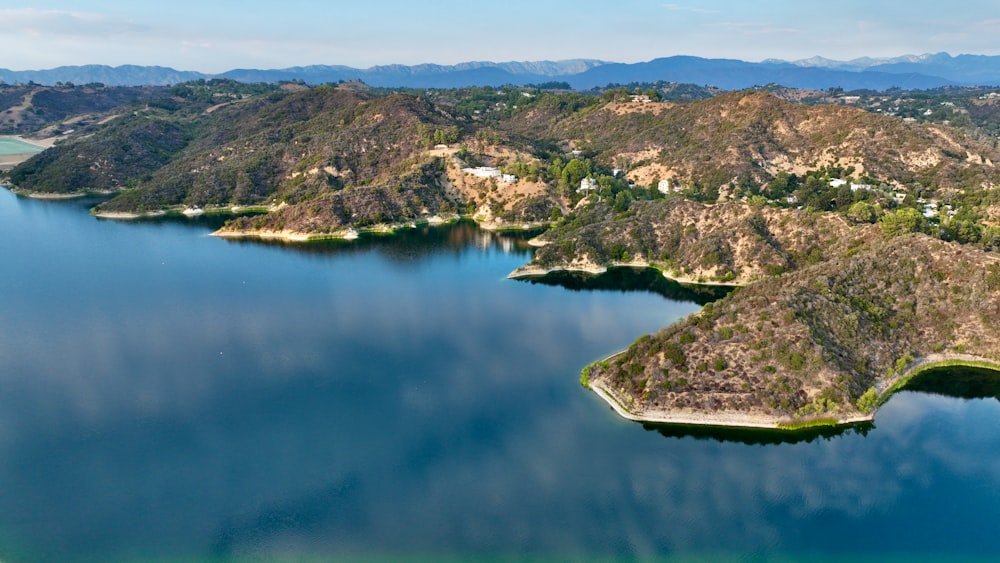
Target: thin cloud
(992,25)
(755,28)
(31,21)
(197,44)
(679,8)
(869,26)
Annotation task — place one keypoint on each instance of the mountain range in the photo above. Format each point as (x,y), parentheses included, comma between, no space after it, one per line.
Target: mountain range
(907,72)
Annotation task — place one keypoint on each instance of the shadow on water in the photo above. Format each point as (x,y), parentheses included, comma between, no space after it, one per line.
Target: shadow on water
(635,279)
(758,436)
(213,220)
(410,243)
(958,382)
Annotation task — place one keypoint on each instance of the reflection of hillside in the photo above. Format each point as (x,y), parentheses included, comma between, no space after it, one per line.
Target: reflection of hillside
(634,279)
(957,382)
(960,382)
(410,244)
(757,436)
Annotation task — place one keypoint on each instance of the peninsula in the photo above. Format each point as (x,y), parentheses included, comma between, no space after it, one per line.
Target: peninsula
(822,345)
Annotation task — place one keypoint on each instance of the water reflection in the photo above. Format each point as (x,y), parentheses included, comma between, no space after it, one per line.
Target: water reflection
(410,244)
(634,279)
(959,382)
(758,436)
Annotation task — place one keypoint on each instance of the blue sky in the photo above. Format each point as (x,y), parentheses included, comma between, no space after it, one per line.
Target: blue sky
(214,36)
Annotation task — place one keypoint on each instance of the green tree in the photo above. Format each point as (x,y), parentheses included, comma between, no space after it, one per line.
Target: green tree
(622,201)
(863,212)
(965,232)
(574,171)
(903,221)
(782,185)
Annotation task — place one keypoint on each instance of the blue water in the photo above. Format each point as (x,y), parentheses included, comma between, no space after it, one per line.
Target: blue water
(167,395)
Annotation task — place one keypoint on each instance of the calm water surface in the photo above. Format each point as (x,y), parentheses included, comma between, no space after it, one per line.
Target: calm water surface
(166,395)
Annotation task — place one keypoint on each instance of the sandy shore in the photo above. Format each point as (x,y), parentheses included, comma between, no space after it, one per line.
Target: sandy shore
(122,216)
(725,419)
(748,420)
(536,272)
(502,226)
(347,233)
(287,236)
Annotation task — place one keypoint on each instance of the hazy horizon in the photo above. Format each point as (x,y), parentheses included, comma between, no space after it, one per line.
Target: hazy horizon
(220,36)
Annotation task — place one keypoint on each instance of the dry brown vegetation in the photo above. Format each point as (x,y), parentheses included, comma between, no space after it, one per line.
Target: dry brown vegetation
(813,341)
(750,136)
(732,242)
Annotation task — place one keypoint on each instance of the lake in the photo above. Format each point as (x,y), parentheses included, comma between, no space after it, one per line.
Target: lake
(167,395)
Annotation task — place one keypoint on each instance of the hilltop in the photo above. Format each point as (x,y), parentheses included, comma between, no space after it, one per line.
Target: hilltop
(749,137)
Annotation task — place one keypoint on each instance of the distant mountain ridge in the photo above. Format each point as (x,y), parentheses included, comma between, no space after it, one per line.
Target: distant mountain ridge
(908,72)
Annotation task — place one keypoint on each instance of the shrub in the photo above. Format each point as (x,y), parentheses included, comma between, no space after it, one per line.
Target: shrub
(868,401)
(674,353)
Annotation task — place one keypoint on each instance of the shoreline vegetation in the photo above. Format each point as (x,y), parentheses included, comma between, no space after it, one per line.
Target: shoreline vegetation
(531,271)
(762,421)
(823,343)
(353,232)
(883,389)
(820,346)
(346,233)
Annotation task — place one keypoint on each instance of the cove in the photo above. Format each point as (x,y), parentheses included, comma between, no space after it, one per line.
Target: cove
(168,395)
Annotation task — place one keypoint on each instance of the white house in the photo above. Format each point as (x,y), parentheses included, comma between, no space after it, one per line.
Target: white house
(587,184)
(931,209)
(490,172)
(837,182)
(483,172)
